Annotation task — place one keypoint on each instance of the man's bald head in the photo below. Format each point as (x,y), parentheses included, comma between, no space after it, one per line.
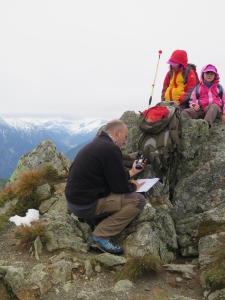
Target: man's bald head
(114,124)
(118,130)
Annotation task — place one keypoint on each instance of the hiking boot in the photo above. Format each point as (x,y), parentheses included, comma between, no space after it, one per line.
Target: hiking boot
(107,246)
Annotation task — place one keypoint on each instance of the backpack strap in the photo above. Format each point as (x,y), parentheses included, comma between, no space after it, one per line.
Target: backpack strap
(197,91)
(171,74)
(185,74)
(220,94)
(187,70)
(165,88)
(197,94)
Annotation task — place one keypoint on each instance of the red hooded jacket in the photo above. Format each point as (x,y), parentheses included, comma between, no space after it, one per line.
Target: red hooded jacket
(171,83)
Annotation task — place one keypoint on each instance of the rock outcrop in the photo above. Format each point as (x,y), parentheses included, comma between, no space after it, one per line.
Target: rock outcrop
(188,221)
(200,192)
(198,198)
(44,153)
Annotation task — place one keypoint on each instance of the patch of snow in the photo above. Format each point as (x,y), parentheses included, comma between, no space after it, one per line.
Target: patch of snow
(31,215)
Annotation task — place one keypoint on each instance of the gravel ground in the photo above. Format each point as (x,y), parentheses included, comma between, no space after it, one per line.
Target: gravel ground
(100,285)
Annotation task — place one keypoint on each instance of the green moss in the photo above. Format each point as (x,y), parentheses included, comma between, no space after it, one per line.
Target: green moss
(49,173)
(11,295)
(6,195)
(18,171)
(215,277)
(214,274)
(138,266)
(209,227)
(2,183)
(4,221)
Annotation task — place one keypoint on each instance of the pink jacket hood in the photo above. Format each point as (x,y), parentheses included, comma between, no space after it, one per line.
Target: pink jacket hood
(212,68)
(208,95)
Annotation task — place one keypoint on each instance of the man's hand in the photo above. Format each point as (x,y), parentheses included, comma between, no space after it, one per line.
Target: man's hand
(138,185)
(133,171)
(196,107)
(223,118)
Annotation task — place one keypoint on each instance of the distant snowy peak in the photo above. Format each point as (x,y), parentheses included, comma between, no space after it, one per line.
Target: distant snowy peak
(71,126)
(86,125)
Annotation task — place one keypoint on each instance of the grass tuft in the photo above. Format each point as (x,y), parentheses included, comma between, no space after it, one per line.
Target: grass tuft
(6,194)
(49,173)
(24,189)
(214,275)
(138,266)
(28,183)
(27,234)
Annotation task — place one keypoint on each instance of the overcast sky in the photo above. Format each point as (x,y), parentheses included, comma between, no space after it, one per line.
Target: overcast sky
(97,58)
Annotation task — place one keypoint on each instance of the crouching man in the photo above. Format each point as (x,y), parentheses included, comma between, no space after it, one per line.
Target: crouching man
(98,186)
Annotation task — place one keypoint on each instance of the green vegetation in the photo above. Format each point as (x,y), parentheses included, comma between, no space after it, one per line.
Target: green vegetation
(6,195)
(209,227)
(215,277)
(24,190)
(49,173)
(11,295)
(2,183)
(138,266)
(214,274)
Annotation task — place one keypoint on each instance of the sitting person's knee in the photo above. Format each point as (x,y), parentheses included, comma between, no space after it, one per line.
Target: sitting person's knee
(184,114)
(141,202)
(213,105)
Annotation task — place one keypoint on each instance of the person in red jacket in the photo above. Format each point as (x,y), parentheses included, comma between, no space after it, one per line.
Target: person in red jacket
(180,79)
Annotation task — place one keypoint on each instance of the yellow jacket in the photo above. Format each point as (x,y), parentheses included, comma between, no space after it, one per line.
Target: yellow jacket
(175,88)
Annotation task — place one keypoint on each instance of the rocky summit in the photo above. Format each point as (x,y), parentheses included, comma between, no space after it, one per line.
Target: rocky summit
(182,227)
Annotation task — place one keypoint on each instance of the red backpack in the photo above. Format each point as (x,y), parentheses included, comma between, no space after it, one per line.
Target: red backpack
(155,113)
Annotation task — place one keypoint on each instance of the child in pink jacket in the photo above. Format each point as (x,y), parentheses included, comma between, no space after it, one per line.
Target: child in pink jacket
(207,99)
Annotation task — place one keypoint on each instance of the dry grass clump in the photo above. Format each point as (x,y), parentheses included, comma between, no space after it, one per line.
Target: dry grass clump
(24,189)
(49,173)
(27,234)
(138,266)
(214,275)
(6,194)
(28,182)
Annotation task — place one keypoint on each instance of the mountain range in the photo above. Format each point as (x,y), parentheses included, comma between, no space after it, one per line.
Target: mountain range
(19,135)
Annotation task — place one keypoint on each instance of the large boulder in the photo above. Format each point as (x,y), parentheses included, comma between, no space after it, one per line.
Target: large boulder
(212,263)
(197,199)
(194,138)
(63,231)
(194,226)
(131,120)
(15,280)
(151,233)
(44,153)
(200,192)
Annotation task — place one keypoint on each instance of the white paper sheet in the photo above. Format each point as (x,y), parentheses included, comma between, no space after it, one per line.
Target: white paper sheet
(148,183)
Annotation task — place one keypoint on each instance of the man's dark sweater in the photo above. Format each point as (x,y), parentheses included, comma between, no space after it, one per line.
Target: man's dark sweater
(96,172)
